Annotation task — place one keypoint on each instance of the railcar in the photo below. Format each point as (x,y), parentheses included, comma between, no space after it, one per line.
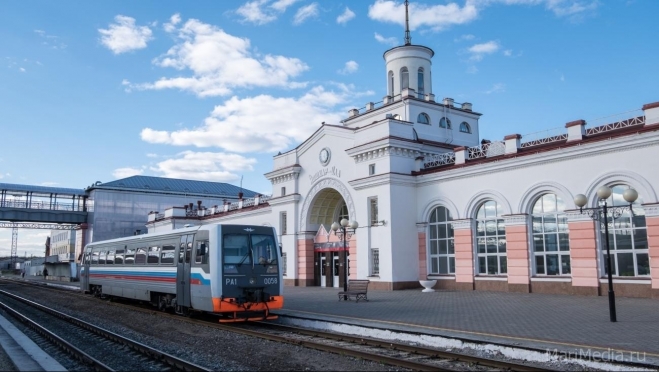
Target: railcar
(229,270)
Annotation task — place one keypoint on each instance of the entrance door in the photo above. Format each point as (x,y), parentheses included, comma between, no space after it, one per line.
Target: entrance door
(183,271)
(323,271)
(335,267)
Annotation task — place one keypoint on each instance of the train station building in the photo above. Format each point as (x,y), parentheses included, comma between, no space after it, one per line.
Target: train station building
(433,201)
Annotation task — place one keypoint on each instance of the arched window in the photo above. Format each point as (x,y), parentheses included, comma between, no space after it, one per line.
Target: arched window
(420,87)
(628,238)
(445,123)
(442,251)
(491,239)
(465,128)
(551,248)
(404,78)
(423,118)
(391,83)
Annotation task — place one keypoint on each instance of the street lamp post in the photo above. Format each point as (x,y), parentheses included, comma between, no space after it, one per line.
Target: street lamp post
(601,214)
(341,231)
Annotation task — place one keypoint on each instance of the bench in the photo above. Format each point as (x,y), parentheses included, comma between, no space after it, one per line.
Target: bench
(356,289)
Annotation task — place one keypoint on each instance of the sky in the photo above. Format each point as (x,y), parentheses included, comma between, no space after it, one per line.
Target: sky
(211,90)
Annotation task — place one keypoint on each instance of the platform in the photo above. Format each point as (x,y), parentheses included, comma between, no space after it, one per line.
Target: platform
(566,323)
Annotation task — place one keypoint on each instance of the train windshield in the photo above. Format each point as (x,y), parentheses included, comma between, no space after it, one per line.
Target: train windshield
(264,249)
(236,249)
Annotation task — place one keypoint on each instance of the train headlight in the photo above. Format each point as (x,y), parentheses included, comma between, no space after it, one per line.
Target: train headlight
(252,281)
(272,269)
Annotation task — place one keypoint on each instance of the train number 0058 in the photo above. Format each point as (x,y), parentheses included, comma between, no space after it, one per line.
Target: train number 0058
(270,281)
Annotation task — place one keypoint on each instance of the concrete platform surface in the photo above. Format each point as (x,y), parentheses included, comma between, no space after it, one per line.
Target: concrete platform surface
(538,321)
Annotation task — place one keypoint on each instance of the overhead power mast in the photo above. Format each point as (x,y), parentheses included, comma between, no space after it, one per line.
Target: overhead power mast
(14,246)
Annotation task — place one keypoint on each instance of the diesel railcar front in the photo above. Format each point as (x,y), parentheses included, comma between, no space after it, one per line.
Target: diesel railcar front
(231,270)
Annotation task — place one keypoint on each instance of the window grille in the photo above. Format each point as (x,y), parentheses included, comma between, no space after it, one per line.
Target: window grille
(441,248)
(491,239)
(283,263)
(373,211)
(283,223)
(375,261)
(551,247)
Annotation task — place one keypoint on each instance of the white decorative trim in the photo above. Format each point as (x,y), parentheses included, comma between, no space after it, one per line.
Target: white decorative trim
(436,202)
(534,192)
(462,224)
(421,226)
(441,277)
(387,150)
(285,177)
(576,216)
(651,210)
(548,279)
(324,183)
(480,197)
(290,198)
(492,278)
(632,179)
(392,179)
(516,219)
(627,281)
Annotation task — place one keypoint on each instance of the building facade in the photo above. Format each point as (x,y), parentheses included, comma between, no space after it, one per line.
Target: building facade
(434,201)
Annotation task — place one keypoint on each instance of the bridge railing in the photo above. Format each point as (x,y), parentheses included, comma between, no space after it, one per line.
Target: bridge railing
(40,205)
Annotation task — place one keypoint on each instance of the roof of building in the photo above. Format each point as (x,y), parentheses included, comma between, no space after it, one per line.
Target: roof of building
(174,185)
(47,190)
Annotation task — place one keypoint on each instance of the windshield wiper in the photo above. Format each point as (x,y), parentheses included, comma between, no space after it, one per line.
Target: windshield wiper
(248,254)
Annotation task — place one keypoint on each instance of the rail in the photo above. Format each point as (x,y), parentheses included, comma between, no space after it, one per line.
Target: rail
(486,150)
(13,203)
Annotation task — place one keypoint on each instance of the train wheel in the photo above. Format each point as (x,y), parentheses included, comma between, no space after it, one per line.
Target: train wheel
(162,304)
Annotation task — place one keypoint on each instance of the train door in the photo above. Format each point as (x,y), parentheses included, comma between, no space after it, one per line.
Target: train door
(84,271)
(183,271)
(323,271)
(335,269)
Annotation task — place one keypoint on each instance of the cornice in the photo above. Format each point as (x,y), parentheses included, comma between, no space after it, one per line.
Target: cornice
(240,213)
(651,210)
(462,224)
(621,144)
(287,199)
(516,219)
(395,179)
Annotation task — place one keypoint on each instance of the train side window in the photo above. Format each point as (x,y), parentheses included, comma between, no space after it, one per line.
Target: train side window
(153,255)
(95,257)
(140,256)
(130,256)
(201,256)
(109,259)
(167,253)
(101,257)
(119,257)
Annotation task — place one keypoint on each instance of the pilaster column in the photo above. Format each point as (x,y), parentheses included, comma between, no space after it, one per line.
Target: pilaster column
(583,253)
(517,252)
(421,229)
(352,249)
(463,238)
(652,223)
(305,260)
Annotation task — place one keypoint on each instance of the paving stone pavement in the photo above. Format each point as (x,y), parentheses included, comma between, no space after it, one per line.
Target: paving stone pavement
(517,318)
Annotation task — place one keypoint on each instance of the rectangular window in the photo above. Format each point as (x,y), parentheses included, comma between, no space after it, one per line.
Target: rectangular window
(130,256)
(373,210)
(282,223)
(167,253)
(283,263)
(153,255)
(283,191)
(371,169)
(140,256)
(119,257)
(375,261)
(201,256)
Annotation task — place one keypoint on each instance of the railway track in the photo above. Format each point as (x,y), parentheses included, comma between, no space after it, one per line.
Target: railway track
(92,346)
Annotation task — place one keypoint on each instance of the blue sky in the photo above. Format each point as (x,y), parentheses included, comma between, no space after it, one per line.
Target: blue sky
(212,90)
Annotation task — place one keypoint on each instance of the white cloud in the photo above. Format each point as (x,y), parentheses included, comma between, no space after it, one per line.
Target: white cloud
(22,69)
(479,50)
(345,16)
(173,21)
(472,69)
(437,17)
(205,166)
(349,68)
(258,12)
(126,172)
(386,40)
(220,62)
(124,36)
(497,88)
(305,12)
(260,124)
(50,40)
(464,38)
(151,155)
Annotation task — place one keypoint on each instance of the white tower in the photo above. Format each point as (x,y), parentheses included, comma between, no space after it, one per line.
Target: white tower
(408,66)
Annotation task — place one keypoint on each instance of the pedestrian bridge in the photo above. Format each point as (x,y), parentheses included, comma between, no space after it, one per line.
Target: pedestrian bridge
(42,204)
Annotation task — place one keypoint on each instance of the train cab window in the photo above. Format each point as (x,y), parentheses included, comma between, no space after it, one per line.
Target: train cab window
(235,248)
(119,257)
(101,257)
(265,250)
(130,256)
(109,259)
(95,258)
(201,255)
(140,256)
(153,255)
(167,253)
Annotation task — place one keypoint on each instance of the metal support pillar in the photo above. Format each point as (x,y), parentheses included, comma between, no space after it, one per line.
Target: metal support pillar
(14,246)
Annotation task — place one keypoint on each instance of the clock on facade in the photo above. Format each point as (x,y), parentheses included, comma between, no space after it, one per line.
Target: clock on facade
(324,156)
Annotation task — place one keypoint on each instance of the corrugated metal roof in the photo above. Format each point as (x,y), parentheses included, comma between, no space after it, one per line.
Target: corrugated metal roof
(175,185)
(41,189)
